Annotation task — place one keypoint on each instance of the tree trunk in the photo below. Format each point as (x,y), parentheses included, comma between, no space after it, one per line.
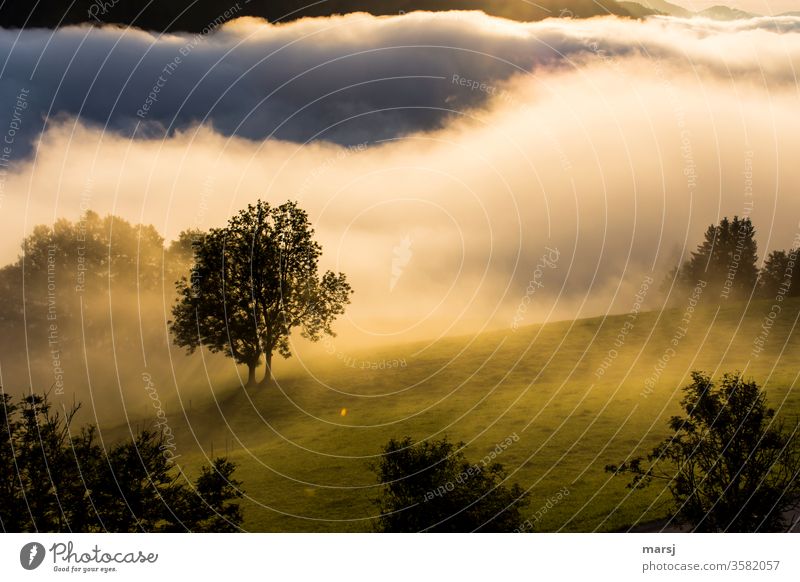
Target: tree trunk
(268,378)
(251,375)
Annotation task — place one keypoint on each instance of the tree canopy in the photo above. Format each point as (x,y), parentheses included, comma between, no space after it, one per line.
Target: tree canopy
(726,260)
(780,276)
(730,464)
(252,283)
(431,486)
(55,480)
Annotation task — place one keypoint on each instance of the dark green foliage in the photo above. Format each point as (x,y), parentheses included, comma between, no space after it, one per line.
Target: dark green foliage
(81,294)
(726,260)
(42,488)
(212,511)
(136,490)
(730,464)
(92,262)
(252,283)
(55,481)
(780,275)
(430,486)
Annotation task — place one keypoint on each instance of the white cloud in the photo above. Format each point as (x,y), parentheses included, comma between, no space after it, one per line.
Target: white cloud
(345,79)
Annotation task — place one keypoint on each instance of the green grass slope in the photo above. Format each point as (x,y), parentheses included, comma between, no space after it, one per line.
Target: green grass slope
(304,463)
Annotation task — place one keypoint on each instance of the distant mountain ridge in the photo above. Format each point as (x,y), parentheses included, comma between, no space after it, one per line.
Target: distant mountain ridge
(636,10)
(195,15)
(665,7)
(725,13)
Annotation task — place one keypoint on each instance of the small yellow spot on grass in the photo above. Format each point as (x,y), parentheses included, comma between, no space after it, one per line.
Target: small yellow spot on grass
(343,412)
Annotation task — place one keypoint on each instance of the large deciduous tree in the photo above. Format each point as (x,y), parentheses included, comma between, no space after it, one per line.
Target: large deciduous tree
(252,283)
(730,464)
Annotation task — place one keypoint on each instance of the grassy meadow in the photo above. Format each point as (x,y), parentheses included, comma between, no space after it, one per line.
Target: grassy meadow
(304,448)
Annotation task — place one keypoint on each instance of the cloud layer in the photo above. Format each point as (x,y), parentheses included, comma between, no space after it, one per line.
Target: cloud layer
(345,79)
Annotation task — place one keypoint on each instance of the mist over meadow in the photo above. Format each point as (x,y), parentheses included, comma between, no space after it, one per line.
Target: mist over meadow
(456,166)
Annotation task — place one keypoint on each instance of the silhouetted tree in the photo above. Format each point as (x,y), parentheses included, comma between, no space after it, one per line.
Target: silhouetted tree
(137,490)
(61,263)
(730,464)
(252,283)
(780,275)
(210,508)
(726,260)
(42,486)
(430,486)
(54,481)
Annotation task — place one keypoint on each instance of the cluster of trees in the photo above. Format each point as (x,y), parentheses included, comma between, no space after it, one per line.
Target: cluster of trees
(727,259)
(241,289)
(84,292)
(94,259)
(730,464)
(54,479)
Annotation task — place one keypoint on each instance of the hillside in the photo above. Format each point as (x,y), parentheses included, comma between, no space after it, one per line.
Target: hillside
(725,13)
(665,7)
(195,15)
(304,449)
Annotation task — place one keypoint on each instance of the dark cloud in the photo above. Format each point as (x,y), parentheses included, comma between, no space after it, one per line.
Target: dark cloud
(346,80)
(342,84)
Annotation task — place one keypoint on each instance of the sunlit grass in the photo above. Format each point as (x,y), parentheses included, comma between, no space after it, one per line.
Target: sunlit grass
(304,449)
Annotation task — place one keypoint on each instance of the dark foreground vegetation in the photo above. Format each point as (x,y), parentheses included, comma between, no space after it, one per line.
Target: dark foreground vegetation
(56,479)
(432,487)
(730,464)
